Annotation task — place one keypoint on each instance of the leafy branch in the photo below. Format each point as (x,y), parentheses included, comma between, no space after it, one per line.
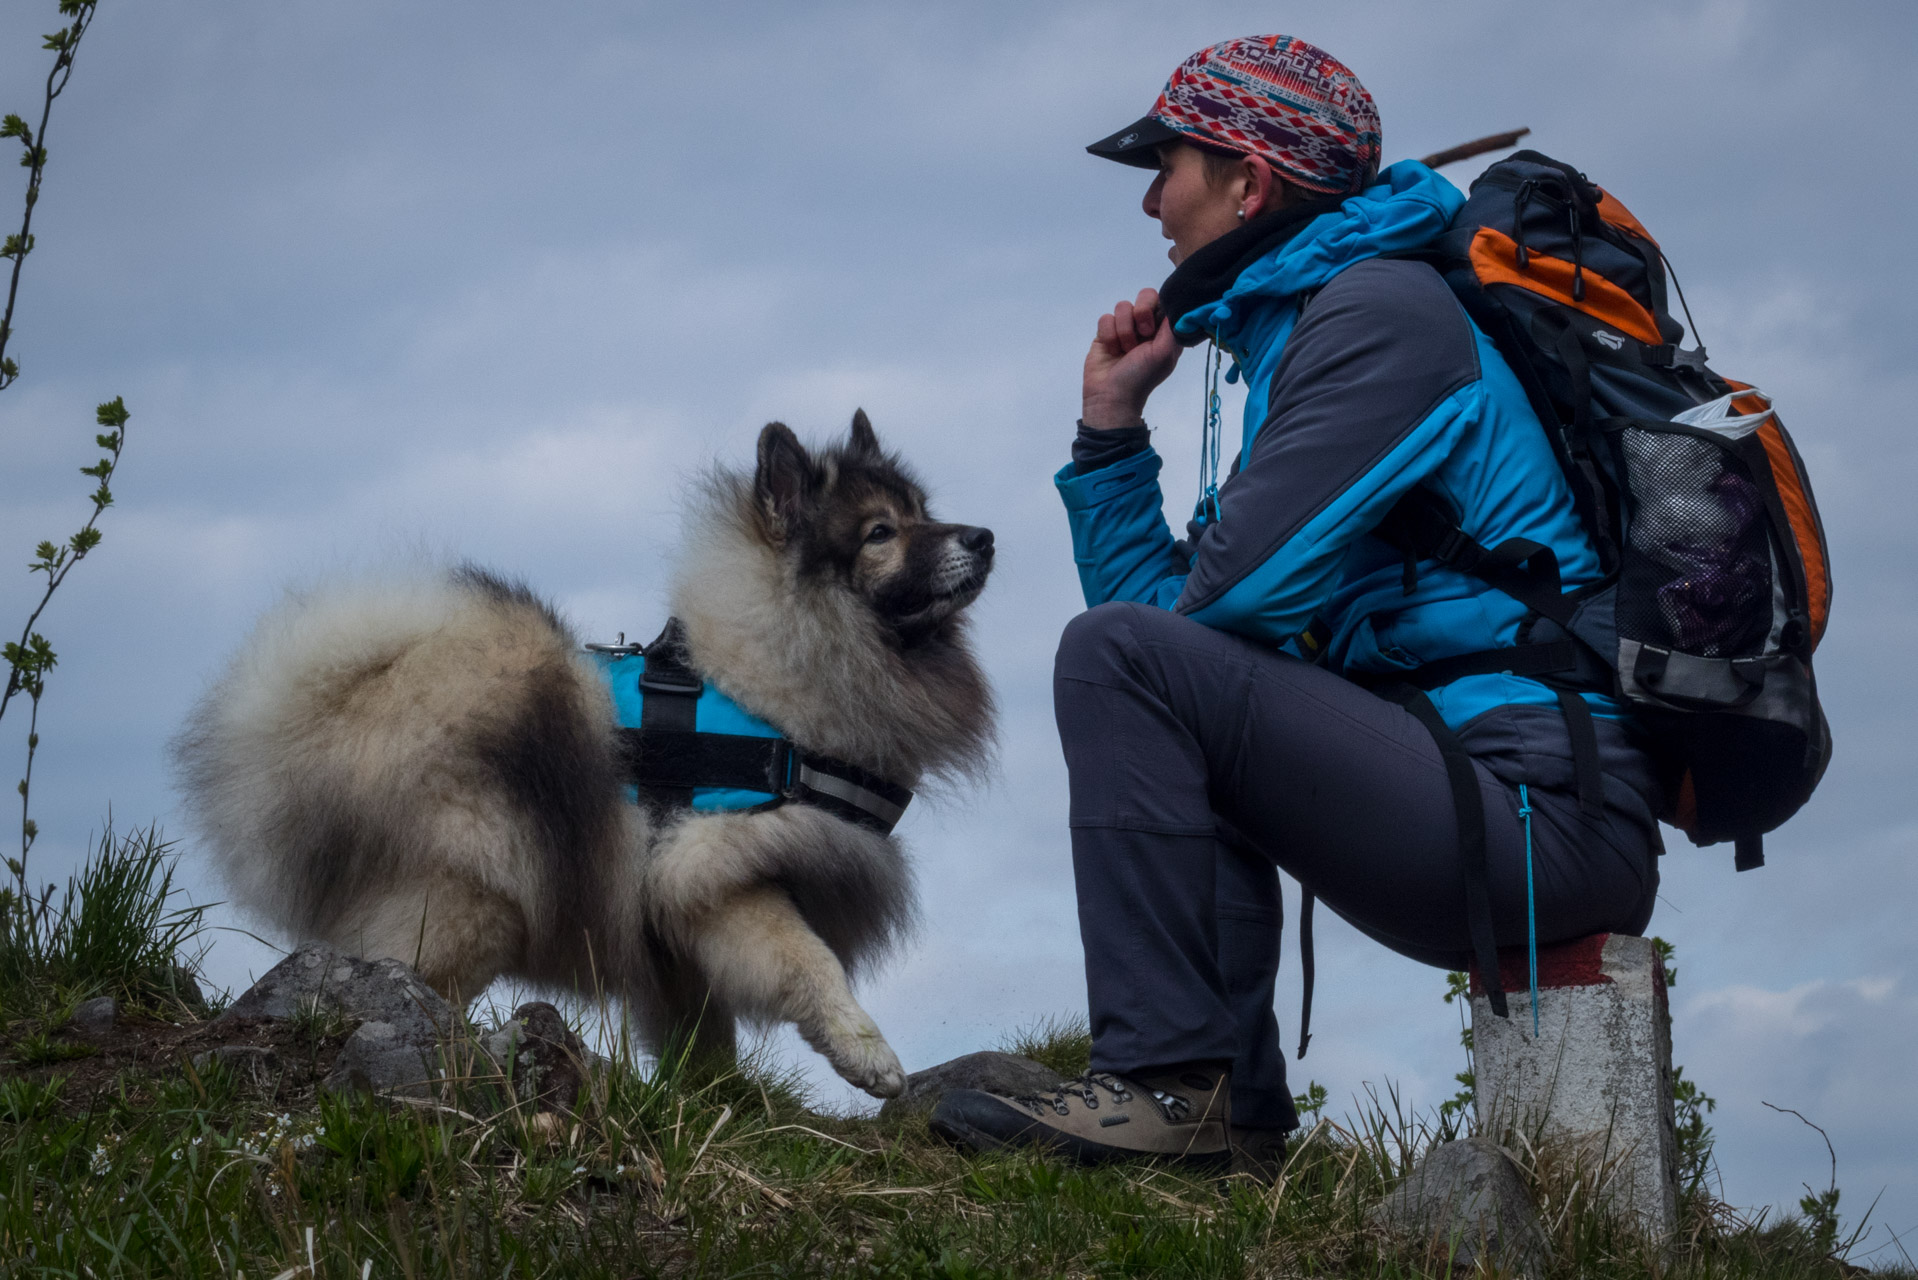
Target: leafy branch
(64,43)
(29,658)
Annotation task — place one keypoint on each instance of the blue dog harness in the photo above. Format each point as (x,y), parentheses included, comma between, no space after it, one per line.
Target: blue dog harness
(686,745)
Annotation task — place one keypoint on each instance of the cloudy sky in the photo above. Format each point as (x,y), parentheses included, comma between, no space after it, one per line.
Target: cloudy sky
(490,279)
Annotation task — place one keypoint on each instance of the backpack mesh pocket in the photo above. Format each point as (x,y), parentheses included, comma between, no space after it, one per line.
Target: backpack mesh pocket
(1696,570)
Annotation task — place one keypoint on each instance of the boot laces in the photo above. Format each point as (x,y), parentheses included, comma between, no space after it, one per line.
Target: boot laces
(1082,1088)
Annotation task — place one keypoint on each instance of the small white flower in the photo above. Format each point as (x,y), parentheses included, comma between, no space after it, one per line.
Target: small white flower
(197,1141)
(176,1153)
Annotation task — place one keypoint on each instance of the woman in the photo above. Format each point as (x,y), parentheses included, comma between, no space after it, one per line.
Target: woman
(1203,751)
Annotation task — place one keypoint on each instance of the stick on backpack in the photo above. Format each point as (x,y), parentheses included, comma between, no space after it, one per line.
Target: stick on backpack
(1718,584)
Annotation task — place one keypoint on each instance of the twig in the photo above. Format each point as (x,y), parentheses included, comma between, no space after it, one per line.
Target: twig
(1477,147)
(68,41)
(1821,1133)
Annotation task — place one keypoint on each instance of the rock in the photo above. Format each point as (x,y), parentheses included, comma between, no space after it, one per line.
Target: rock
(95,1018)
(385,1058)
(1468,1200)
(992,1071)
(381,990)
(402,1020)
(186,988)
(1596,1080)
(545,1059)
(253,1063)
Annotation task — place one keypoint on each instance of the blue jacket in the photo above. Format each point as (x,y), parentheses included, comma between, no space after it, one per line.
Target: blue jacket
(1375,383)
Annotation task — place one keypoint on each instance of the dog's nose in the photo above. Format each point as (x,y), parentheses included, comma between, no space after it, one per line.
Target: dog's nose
(977,540)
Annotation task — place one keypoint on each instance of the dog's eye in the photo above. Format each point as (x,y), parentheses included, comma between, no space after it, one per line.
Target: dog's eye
(880,533)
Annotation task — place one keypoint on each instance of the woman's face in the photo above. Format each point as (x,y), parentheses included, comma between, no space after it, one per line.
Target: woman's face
(1192,212)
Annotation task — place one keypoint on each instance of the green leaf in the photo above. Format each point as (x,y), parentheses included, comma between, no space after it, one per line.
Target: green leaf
(112,414)
(86,540)
(108,441)
(103,468)
(102,497)
(14,127)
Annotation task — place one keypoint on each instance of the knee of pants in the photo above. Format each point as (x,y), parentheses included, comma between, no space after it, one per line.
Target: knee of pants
(1100,641)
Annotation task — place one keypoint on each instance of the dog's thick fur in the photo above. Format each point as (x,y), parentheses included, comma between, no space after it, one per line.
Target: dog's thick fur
(426,769)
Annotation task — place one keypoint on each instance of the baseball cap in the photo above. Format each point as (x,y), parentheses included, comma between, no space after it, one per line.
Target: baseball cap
(1276,97)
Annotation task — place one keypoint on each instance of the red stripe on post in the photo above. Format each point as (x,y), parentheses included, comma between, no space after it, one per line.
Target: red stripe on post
(1578,963)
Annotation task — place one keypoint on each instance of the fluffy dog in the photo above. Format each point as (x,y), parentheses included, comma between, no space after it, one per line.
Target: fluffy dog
(430,770)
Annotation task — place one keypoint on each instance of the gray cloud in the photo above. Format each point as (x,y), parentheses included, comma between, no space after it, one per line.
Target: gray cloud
(475,279)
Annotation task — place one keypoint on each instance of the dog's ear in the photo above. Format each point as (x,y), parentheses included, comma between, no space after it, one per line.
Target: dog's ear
(786,479)
(862,440)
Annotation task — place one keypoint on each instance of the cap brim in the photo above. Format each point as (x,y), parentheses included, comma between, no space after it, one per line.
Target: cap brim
(1138,143)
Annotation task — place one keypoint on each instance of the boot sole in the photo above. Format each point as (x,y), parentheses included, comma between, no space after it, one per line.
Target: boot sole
(958,1117)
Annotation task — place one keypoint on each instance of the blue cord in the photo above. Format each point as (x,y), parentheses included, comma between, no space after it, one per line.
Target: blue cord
(1209,434)
(1531,902)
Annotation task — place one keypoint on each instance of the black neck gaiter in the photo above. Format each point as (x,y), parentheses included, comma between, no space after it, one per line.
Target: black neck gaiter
(1209,272)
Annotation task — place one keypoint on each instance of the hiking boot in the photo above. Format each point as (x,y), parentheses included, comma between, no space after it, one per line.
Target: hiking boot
(1257,1153)
(1179,1115)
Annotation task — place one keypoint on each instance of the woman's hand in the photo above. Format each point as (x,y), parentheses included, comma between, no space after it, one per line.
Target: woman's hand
(1133,352)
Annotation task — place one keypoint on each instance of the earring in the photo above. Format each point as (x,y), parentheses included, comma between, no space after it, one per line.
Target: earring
(1241,215)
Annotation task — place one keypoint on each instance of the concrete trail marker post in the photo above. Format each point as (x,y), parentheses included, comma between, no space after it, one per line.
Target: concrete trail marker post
(1597,1078)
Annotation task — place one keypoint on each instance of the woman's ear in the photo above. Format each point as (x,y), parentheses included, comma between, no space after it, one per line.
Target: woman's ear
(1264,191)
(785,481)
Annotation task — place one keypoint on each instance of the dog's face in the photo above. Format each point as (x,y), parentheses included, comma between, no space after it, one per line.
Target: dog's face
(853,517)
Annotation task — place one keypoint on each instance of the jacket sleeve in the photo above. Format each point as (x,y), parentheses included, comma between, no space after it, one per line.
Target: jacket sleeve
(1120,541)
(1377,385)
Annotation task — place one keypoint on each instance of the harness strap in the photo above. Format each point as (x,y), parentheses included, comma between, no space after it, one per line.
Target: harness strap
(1468,808)
(669,707)
(667,756)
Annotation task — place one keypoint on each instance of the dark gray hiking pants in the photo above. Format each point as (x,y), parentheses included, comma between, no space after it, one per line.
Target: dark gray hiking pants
(1200,761)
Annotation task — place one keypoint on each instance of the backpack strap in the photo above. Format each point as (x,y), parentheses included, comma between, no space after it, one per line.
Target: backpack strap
(1308,967)
(1468,808)
(1421,526)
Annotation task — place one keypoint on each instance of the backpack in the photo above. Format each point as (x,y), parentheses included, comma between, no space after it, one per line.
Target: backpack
(1717,581)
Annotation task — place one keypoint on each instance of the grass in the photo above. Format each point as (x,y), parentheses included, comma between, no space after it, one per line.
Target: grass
(125,1166)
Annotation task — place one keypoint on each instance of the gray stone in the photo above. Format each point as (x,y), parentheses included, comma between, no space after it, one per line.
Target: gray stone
(403,1022)
(256,1064)
(546,1061)
(186,988)
(95,1017)
(994,1072)
(381,990)
(1466,1201)
(1595,1082)
(386,1058)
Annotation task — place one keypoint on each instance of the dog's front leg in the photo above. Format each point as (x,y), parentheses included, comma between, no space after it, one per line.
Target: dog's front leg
(762,959)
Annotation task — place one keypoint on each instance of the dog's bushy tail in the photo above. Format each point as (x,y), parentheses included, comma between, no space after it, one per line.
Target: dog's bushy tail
(368,730)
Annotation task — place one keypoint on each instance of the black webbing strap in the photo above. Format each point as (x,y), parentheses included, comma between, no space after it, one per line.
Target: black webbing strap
(669,703)
(1468,807)
(1420,524)
(1585,770)
(1748,853)
(677,760)
(1552,657)
(1308,969)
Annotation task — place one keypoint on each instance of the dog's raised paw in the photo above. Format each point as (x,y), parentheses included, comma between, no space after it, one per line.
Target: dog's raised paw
(861,1056)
